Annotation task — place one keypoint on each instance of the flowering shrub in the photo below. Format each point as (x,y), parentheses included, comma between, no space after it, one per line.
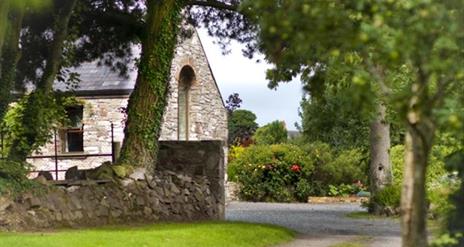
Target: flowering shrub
(235,151)
(272,173)
(295,168)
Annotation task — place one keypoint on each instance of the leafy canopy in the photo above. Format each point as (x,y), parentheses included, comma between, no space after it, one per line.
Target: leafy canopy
(242,125)
(378,47)
(272,133)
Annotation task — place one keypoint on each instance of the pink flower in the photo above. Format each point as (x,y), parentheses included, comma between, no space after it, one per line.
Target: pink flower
(295,168)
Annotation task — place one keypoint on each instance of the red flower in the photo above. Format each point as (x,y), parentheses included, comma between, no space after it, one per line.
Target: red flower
(295,168)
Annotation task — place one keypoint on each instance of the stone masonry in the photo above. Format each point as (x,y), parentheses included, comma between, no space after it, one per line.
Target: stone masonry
(207,115)
(188,185)
(166,197)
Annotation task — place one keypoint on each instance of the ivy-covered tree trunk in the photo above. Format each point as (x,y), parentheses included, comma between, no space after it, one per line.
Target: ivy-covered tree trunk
(380,172)
(9,59)
(35,126)
(418,143)
(148,100)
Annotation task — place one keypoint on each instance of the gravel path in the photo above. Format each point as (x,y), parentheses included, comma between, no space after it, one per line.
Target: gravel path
(319,225)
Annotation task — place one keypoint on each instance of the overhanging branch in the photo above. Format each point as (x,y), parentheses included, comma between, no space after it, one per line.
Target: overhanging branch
(214,4)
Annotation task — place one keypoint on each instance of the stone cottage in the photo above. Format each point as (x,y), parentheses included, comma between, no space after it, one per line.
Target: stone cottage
(195,109)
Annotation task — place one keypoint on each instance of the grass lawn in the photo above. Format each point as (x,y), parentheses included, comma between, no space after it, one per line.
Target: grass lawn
(217,234)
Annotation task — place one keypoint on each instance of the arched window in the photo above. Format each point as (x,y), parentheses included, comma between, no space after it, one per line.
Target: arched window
(186,78)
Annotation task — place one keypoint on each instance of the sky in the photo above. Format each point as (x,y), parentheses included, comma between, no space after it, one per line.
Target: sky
(235,73)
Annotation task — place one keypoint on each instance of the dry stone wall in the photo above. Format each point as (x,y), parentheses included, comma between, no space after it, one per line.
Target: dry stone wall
(188,185)
(166,197)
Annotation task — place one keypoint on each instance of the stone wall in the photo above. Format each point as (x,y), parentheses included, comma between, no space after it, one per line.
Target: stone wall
(166,197)
(196,158)
(188,185)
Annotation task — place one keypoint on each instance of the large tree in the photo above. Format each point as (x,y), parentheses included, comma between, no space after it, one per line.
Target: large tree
(10,55)
(11,18)
(306,48)
(242,125)
(161,32)
(106,30)
(332,118)
(413,48)
(34,118)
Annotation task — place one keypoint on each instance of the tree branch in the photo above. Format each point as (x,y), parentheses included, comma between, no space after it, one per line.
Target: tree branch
(442,90)
(379,74)
(123,19)
(214,4)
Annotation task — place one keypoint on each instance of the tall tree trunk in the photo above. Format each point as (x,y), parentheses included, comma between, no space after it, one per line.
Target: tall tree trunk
(56,50)
(418,144)
(9,59)
(147,102)
(4,10)
(31,120)
(380,172)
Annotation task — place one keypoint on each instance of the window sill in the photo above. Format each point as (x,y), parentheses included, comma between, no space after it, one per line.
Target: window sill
(73,155)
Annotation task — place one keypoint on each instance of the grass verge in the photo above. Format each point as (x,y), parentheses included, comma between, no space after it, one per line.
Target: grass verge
(227,234)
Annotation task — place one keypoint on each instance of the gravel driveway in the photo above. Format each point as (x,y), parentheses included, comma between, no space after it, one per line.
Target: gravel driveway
(319,225)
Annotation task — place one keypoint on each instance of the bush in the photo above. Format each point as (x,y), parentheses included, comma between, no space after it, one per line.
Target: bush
(265,172)
(455,214)
(48,111)
(388,198)
(438,183)
(272,133)
(235,152)
(345,189)
(436,171)
(332,169)
(348,167)
(13,177)
(272,173)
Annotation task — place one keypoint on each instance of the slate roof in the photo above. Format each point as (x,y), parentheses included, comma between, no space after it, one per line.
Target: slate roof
(100,80)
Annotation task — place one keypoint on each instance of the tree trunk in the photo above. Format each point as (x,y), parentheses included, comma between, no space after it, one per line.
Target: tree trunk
(418,144)
(9,59)
(35,127)
(380,172)
(56,50)
(4,10)
(148,100)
